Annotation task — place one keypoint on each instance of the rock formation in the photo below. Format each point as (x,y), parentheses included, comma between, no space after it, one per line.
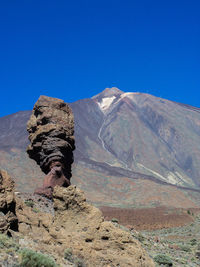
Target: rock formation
(8,219)
(74,232)
(81,227)
(51,129)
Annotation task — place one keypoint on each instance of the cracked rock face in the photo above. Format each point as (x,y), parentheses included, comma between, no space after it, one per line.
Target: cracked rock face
(51,129)
(81,229)
(8,219)
(74,225)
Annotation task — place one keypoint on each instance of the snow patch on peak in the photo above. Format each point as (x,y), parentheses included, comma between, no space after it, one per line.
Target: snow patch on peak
(106,102)
(127,94)
(130,95)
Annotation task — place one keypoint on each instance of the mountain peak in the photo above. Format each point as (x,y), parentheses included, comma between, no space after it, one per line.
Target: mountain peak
(108,92)
(107,97)
(112,91)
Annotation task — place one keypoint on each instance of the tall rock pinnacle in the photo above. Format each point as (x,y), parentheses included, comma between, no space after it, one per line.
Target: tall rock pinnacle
(51,129)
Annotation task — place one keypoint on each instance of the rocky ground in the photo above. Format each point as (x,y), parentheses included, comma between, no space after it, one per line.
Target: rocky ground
(179,246)
(73,233)
(36,202)
(151,218)
(173,243)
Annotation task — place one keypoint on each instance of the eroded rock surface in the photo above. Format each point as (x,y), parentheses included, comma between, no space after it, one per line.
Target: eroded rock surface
(8,219)
(79,227)
(51,129)
(74,232)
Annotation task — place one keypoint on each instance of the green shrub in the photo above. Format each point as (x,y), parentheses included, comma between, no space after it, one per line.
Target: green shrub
(68,255)
(114,220)
(35,210)
(8,243)
(185,248)
(140,237)
(193,242)
(29,203)
(30,258)
(78,262)
(163,259)
(183,261)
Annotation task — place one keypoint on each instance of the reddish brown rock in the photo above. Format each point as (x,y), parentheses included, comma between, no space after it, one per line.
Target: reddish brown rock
(51,129)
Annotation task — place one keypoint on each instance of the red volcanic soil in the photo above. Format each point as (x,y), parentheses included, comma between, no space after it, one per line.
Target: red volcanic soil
(150,218)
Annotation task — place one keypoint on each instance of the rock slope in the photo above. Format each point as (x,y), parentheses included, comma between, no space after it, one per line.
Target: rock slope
(77,230)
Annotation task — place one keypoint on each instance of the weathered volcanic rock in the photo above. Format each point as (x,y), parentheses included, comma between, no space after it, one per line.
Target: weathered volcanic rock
(75,227)
(80,228)
(8,219)
(51,129)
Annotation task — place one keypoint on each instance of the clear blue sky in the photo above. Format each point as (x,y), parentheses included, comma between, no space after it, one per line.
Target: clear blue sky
(75,49)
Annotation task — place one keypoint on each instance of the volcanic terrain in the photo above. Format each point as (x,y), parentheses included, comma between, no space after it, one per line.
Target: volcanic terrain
(132,150)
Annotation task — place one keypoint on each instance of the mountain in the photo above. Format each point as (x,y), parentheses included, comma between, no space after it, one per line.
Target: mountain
(132,149)
(140,133)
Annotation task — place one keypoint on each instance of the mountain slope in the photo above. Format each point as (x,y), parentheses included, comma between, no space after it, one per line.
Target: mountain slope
(142,133)
(120,137)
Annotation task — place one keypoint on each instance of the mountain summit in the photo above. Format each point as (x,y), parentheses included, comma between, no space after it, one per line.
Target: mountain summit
(108,92)
(107,97)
